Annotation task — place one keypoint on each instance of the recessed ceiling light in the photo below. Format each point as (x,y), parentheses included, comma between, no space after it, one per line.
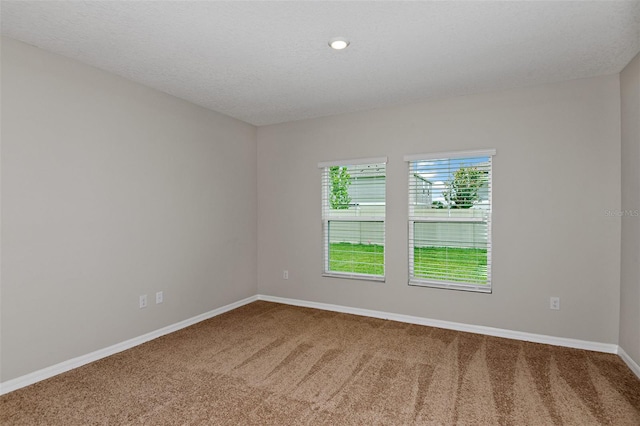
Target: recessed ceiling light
(338,43)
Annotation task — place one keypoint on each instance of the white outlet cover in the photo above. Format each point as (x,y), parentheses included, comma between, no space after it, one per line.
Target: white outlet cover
(143,301)
(159,297)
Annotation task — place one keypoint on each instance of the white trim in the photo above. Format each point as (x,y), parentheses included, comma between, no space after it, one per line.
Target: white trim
(354,276)
(355,162)
(45,373)
(448,219)
(454,154)
(450,285)
(330,218)
(628,360)
(478,329)
(490,223)
(54,370)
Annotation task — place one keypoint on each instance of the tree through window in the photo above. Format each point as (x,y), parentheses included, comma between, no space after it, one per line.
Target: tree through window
(353,218)
(450,233)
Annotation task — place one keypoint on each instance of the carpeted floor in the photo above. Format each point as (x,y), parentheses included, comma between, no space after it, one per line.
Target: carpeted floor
(267,363)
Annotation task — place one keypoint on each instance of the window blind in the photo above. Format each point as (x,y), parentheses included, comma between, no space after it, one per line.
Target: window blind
(353,218)
(450,220)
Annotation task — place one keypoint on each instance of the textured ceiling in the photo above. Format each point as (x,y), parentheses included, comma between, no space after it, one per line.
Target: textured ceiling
(268,62)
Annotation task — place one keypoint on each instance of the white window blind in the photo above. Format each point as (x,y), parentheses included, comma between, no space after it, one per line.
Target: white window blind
(353,218)
(450,220)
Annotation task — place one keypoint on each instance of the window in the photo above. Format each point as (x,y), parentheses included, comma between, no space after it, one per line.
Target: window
(353,216)
(450,220)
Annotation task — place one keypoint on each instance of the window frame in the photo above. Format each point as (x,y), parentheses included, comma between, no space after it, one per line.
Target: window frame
(412,220)
(326,220)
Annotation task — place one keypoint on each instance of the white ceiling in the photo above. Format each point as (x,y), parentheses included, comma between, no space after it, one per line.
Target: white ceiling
(268,62)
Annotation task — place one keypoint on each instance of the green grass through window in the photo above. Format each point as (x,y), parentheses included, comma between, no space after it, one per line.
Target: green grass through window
(357,258)
(465,265)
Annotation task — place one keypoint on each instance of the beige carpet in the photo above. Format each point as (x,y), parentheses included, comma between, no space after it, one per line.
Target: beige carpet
(267,363)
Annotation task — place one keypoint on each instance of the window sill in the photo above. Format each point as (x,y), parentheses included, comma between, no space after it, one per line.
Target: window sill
(362,277)
(450,285)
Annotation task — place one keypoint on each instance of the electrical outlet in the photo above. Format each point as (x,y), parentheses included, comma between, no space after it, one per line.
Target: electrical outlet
(159,297)
(285,274)
(554,303)
(143,301)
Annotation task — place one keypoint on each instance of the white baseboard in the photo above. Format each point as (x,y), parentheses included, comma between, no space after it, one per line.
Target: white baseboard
(45,373)
(490,331)
(629,361)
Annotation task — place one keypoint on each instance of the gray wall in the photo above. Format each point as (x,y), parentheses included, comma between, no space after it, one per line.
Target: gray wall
(111,190)
(630,262)
(556,171)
